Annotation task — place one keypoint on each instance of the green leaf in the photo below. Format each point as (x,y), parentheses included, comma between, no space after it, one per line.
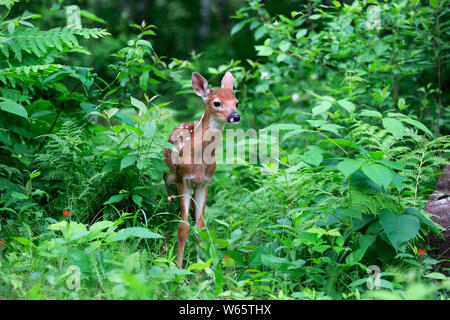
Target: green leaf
(260,32)
(371,114)
(138,104)
(271,260)
(101,225)
(395,127)
(24,241)
(417,124)
(127,161)
(116,198)
(13,107)
(364,243)
(313,156)
(331,127)
(238,27)
(349,166)
(264,51)
(399,228)
(352,213)
(436,275)
(91,16)
(424,219)
(301,33)
(137,232)
(200,265)
(379,174)
(321,107)
(434,3)
(18,195)
(347,105)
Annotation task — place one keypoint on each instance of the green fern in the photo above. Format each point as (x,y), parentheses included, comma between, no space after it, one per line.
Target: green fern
(40,43)
(27,73)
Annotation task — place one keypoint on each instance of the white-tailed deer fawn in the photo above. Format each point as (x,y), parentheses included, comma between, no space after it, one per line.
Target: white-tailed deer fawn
(194,164)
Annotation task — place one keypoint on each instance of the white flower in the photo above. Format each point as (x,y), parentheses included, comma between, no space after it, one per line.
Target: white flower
(295,97)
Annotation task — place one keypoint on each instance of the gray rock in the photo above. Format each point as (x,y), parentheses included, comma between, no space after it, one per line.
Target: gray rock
(438,204)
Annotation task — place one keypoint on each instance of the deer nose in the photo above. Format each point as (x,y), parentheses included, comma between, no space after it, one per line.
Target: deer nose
(234,118)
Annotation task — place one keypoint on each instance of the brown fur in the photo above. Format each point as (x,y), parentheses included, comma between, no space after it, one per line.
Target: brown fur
(187,175)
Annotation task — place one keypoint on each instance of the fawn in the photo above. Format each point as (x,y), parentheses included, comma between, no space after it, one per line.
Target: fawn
(192,167)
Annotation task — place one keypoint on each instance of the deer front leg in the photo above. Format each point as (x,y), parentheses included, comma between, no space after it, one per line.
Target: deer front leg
(200,201)
(183,227)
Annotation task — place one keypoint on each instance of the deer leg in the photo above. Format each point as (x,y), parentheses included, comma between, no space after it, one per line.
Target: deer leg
(200,201)
(169,181)
(183,227)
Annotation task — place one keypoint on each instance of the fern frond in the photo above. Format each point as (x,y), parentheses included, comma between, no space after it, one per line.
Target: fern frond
(27,73)
(40,43)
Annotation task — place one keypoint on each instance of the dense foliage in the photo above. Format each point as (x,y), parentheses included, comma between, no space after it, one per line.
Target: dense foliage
(356,89)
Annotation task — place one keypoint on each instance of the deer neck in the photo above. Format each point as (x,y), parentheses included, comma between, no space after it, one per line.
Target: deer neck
(206,127)
(208,122)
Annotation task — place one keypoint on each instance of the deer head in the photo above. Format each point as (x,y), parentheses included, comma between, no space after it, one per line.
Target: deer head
(221,104)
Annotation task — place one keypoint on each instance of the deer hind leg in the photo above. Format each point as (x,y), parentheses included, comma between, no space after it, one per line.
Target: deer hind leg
(171,185)
(200,195)
(183,227)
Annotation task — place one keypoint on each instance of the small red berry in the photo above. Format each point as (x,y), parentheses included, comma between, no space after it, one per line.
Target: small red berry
(290,204)
(2,242)
(421,251)
(169,198)
(66,213)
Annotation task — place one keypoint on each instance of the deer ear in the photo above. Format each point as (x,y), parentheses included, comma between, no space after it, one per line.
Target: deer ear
(200,85)
(228,81)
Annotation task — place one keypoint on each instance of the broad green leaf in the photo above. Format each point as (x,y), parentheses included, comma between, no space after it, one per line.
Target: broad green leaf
(116,198)
(138,104)
(11,106)
(349,166)
(271,260)
(436,275)
(301,33)
(331,127)
(200,265)
(138,232)
(417,124)
(127,161)
(434,3)
(321,107)
(101,225)
(238,27)
(364,243)
(399,228)
(371,114)
(264,50)
(394,126)
(313,156)
(352,213)
(379,174)
(347,105)
(24,241)
(424,219)
(19,195)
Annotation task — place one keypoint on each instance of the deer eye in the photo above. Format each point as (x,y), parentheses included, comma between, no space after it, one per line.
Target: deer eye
(216,104)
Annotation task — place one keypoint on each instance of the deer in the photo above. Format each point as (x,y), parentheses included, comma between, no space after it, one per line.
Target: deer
(192,164)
